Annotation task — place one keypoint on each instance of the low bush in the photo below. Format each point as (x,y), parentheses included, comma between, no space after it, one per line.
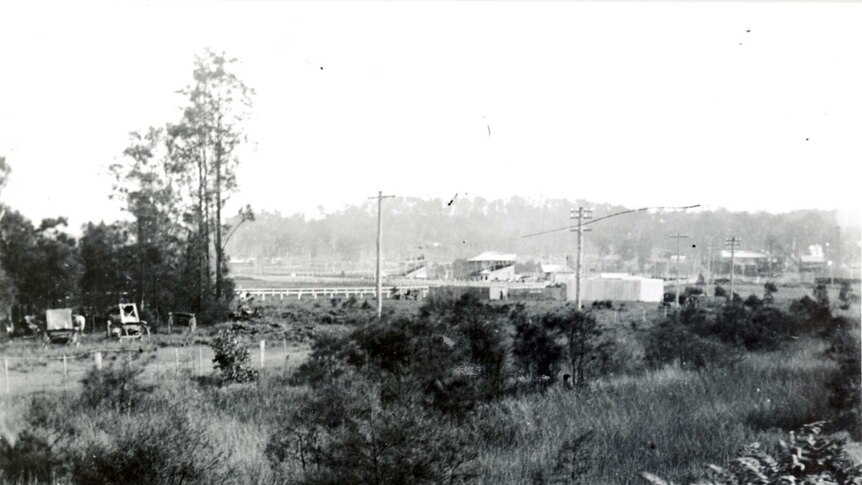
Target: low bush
(370,440)
(769,290)
(330,358)
(602,304)
(673,342)
(806,457)
(847,296)
(232,358)
(117,386)
(751,327)
(37,454)
(536,350)
(812,316)
(845,385)
(160,447)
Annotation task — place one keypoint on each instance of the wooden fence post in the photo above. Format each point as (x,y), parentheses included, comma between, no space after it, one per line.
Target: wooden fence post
(262,353)
(286,355)
(177,361)
(98,361)
(65,369)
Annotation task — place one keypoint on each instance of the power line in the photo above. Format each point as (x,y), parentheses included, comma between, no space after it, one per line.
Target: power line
(642,209)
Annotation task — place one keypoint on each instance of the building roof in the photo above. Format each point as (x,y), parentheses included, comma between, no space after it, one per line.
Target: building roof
(744,254)
(494,256)
(812,258)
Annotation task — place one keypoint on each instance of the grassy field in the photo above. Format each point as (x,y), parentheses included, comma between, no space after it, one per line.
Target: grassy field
(668,421)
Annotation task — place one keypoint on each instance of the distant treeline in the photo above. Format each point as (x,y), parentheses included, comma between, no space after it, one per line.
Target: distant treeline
(443,232)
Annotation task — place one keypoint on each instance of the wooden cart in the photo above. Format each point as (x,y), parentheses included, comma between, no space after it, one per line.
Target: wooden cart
(60,327)
(125,324)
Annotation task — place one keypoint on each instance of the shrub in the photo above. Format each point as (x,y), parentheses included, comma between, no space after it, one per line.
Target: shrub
(117,386)
(603,304)
(753,301)
(813,316)
(391,345)
(587,350)
(454,351)
(769,290)
(671,341)
(36,454)
(720,292)
(330,358)
(536,350)
(372,441)
(232,358)
(761,328)
(806,457)
(821,295)
(160,447)
(845,384)
(846,295)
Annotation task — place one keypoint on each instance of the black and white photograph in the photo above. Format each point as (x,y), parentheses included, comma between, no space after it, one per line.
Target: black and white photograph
(453,242)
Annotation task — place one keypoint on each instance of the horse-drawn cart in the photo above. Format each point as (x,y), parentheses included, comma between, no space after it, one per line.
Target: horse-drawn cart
(125,324)
(60,328)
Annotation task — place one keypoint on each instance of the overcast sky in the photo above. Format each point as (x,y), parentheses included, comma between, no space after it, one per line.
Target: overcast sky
(754,106)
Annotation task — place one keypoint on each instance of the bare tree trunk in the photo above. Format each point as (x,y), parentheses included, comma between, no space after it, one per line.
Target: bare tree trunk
(218,202)
(207,220)
(141,251)
(201,230)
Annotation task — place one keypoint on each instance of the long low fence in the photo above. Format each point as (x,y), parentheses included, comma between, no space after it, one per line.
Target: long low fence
(331,292)
(20,374)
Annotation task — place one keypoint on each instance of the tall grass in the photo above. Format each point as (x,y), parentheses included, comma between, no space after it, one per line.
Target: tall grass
(668,421)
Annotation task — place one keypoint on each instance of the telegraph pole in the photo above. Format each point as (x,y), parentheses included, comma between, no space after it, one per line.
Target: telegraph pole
(378,275)
(708,268)
(580,229)
(677,237)
(837,252)
(733,242)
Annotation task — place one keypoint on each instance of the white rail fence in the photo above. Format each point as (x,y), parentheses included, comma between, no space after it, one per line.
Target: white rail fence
(331,292)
